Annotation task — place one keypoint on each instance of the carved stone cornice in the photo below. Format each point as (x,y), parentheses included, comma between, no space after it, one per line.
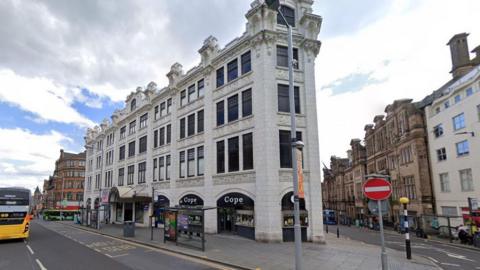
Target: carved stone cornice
(312,46)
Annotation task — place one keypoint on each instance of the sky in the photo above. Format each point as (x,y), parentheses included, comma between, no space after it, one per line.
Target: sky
(67,65)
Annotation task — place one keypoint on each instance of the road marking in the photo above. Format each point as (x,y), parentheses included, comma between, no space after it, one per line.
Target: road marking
(460,257)
(115,256)
(432,259)
(451,264)
(40,265)
(30,249)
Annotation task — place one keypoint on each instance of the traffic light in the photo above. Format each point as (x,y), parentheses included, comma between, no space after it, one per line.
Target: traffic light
(273,4)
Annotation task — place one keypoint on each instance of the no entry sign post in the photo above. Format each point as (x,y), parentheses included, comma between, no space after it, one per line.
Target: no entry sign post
(379,189)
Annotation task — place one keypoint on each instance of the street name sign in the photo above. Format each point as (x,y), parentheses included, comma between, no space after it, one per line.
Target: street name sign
(377,189)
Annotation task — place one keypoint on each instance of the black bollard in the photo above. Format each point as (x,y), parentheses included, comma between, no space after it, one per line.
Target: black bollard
(338,232)
(326,227)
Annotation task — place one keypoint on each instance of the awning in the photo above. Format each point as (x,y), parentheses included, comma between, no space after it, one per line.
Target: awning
(128,193)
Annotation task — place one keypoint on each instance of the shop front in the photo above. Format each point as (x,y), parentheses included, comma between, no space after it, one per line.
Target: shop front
(129,204)
(191,200)
(235,214)
(288,218)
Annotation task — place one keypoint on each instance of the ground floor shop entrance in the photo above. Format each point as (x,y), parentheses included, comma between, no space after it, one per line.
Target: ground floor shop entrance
(288,218)
(235,214)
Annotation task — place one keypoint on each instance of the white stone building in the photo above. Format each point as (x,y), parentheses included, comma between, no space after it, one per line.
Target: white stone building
(453,122)
(218,135)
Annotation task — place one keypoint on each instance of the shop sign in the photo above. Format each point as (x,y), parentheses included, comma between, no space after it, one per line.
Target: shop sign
(473,204)
(301,191)
(234,200)
(191,200)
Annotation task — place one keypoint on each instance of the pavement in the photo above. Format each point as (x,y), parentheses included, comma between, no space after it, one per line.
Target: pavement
(446,255)
(240,253)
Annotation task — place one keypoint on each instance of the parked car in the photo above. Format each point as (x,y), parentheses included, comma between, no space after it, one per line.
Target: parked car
(443,232)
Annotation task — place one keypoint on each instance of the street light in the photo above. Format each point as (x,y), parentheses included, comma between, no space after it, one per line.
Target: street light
(404,201)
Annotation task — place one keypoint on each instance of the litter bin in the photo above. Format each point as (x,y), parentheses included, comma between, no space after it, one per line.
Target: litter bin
(129,229)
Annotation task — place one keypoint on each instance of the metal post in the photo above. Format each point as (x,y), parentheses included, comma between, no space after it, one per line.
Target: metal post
(450,236)
(152,217)
(382,237)
(338,232)
(99,202)
(408,248)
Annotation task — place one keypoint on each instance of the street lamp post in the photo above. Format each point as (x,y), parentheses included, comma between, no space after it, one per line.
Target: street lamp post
(404,201)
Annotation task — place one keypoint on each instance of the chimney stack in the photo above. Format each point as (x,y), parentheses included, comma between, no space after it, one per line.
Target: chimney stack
(461,63)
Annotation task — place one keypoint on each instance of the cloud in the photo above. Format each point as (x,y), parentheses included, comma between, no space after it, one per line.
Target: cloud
(27,158)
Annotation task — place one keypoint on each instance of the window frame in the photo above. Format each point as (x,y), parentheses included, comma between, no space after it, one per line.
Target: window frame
(246,62)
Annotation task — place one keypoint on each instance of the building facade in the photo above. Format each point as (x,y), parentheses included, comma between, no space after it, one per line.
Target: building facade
(218,135)
(64,189)
(453,122)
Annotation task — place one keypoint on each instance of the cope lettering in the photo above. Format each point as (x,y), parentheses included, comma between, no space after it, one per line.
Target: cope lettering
(233,200)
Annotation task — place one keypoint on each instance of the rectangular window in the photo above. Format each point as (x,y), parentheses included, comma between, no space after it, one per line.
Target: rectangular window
(200,161)
(162,109)
(444,182)
(457,99)
(161,174)
(246,62)
(191,93)
(459,122)
(220,113)
(156,113)
(162,136)
(122,153)
(469,92)
(247,143)
(123,131)
(169,133)
(220,156)
(142,167)
(200,121)
(131,128)
(233,155)
(131,149)
(463,148)
(232,104)
(191,162)
(201,88)
(167,172)
(142,147)
(182,164)
(438,130)
(289,15)
(191,124)
(155,138)
(283,98)
(220,77)
(286,148)
(182,128)
(282,56)
(410,191)
(449,211)
(466,180)
(130,171)
(247,102)
(183,98)
(232,70)
(169,105)
(446,104)
(441,154)
(155,169)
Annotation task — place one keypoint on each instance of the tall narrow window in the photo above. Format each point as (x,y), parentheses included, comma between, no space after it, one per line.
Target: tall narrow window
(155,138)
(438,130)
(121,175)
(131,149)
(247,144)
(169,133)
(168,163)
(232,108)
(123,131)
(469,92)
(247,102)
(191,93)
(444,182)
(142,167)
(233,155)
(286,148)
(162,109)
(282,56)
(201,88)
(232,70)
(200,121)
(162,136)
(155,169)
(142,147)
(122,153)
(169,105)
(161,175)
(466,180)
(143,120)
(131,128)
(246,62)
(183,97)
(133,105)
(289,15)
(283,98)
(182,164)
(220,156)
(200,161)
(131,171)
(220,77)
(220,113)
(191,162)
(191,124)
(182,128)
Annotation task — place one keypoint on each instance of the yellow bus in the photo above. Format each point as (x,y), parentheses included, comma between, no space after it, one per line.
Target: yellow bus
(14,213)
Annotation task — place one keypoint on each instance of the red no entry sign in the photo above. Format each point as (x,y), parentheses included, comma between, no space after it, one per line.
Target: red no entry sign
(377,189)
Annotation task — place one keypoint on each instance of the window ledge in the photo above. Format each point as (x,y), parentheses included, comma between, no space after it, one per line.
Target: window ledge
(463,155)
(288,114)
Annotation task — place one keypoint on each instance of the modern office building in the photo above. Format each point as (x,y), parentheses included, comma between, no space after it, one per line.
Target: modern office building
(219,135)
(453,122)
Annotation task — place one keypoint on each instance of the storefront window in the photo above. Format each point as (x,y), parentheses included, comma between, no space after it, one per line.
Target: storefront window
(139,212)
(236,214)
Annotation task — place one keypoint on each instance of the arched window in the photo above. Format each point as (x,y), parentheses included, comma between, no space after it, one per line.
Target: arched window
(288,13)
(133,105)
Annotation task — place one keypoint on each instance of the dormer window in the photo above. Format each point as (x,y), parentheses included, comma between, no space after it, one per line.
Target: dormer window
(288,13)
(133,105)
